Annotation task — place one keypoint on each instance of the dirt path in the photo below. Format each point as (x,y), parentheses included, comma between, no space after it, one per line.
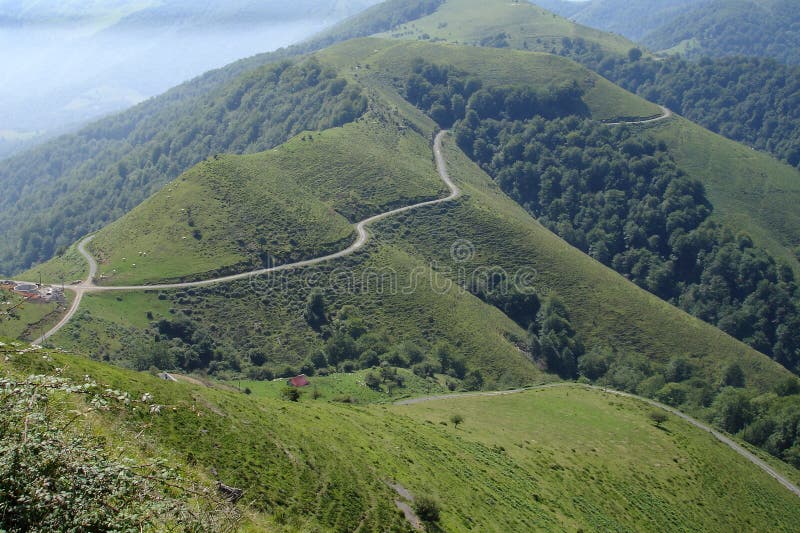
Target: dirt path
(736,447)
(665,114)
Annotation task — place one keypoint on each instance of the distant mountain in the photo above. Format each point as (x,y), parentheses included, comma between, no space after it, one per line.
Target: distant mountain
(632,18)
(763,28)
(73,61)
(695,28)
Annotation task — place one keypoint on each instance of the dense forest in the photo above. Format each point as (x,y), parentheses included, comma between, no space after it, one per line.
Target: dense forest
(750,100)
(762,28)
(84,181)
(623,200)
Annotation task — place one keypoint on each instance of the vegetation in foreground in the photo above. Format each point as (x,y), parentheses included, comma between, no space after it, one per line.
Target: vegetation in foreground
(539,460)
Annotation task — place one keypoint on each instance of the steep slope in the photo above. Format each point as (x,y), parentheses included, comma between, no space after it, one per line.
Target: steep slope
(750,190)
(772,229)
(238,213)
(607,310)
(545,460)
(394,301)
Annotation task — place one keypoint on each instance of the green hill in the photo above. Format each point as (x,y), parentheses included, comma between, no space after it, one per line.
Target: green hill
(295,202)
(61,190)
(546,459)
(750,190)
(494,67)
(504,24)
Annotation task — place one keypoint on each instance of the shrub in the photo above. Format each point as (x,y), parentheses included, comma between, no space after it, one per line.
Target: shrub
(658,417)
(427,509)
(54,476)
(290,394)
(372,381)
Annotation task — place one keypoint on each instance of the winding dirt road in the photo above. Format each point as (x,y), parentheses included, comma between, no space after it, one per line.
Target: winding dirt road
(736,447)
(88,285)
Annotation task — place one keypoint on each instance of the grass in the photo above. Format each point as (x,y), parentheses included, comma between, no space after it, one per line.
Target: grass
(65,268)
(527,26)
(295,202)
(33,318)
(557,459)
(348,387)
(750,190)
(615,469)
(392,60)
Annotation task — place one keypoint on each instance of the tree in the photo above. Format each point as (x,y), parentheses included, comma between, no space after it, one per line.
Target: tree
(341,347)
(372,381)
(658,417)
(678,369)
(456,419)
(733,376)
(732,409)
(634,55)
(315,309)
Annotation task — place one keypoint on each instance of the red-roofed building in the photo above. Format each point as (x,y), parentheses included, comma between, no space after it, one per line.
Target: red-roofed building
(299,381)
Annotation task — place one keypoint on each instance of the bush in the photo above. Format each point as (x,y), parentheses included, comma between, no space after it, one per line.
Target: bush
(673,394)
(372,381)
(427,509)
(56,477)
(658,417)
(291,394)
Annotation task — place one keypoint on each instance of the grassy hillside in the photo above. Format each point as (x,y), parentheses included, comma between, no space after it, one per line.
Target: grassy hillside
(541,460)
(501,23)
(606,309)
(493,67)
(750,190)
(222,214)
(237,212)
